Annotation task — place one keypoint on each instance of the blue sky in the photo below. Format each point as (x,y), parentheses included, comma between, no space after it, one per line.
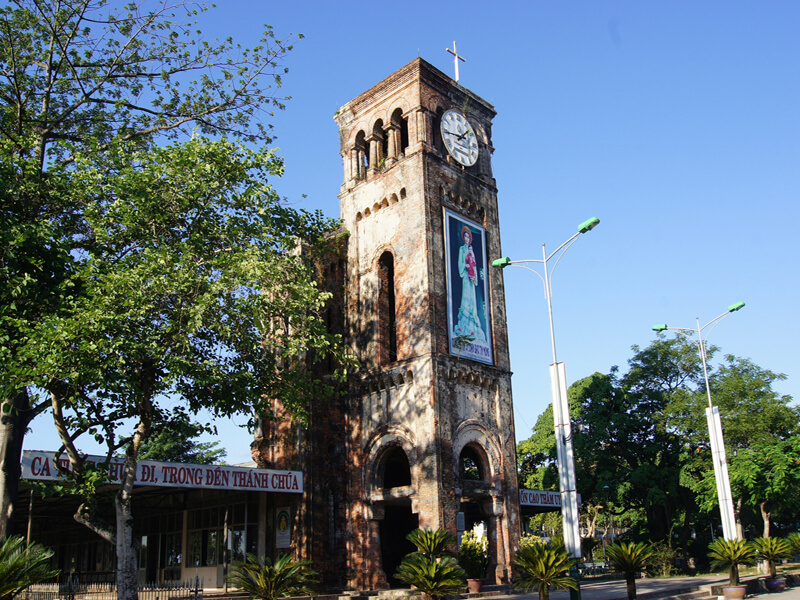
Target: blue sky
(676,123)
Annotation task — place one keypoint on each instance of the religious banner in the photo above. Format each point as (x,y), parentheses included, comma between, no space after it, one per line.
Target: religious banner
(283,528)
(467,288)
(41,466)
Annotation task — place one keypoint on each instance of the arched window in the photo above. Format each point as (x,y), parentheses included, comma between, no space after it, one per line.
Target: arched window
(396,469)
(436,134)
(387,319)
(471,465)
(401,125)
(362,156)
(381,145)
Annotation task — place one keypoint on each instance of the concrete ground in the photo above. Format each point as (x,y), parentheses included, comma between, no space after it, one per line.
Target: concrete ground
(651,589)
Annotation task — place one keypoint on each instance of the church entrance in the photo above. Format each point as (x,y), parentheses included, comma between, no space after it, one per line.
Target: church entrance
(397,523)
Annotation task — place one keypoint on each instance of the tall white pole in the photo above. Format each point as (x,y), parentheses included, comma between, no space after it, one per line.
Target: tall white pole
(718,457)
(565,455)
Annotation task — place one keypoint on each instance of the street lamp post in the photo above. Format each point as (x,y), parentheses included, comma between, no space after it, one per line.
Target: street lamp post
(558,390)
(714,424)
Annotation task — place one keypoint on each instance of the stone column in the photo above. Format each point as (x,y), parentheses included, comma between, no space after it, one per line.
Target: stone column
(393,131)
(497,568)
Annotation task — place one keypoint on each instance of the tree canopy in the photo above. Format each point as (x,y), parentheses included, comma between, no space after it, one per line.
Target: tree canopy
(149,269)
(642,450)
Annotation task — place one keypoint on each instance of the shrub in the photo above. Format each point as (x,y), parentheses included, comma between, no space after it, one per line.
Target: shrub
(268,581)
(630,558)
(772,550)
(22,565)
(729,554)
(473,554)
(541,566)
(432,575)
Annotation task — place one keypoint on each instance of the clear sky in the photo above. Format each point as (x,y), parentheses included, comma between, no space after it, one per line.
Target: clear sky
(677,123)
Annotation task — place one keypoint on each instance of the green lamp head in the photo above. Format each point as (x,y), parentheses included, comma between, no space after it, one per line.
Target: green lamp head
(588,225)
(661,327)
(501,263)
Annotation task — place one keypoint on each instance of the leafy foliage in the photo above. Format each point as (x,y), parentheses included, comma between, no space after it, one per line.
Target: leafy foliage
(473,554)
(268,580)
(793,539)
(431,542)
(771,550)
(540,566)
(22,565)
(730,554)
(431,568)
(630,558)
(176,443)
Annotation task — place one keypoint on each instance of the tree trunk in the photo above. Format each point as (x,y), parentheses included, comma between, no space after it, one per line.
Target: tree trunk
(630,583)
(12,432)
(127,572)
(737,513)
(765,516)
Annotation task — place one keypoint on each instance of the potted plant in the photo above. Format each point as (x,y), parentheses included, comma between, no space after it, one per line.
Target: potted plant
(540,566)
(772,550)
(473,556)
(729,554)
(631,559)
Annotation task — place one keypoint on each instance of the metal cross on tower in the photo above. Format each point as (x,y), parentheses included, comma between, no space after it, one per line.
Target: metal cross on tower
(456,58)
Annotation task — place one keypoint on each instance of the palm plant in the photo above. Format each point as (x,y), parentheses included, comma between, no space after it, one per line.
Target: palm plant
(729,554)
(541,566)
(772,550)
(268,581)
(793,539)
(22,565)
(430,542)
(629,558)
(432,575)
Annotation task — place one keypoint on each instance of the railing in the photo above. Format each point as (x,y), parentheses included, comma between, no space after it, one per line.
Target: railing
(170,590)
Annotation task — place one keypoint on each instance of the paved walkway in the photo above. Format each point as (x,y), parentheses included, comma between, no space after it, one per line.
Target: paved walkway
(653,589)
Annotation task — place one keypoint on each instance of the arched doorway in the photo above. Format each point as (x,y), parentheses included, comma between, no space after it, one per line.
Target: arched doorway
(398,520)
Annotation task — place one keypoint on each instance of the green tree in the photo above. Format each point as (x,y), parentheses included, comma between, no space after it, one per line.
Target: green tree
(81,77)
(178,443)
(22,565)
(192,297)
(761,436)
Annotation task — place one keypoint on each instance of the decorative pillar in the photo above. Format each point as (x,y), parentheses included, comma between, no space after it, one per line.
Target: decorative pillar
(393,131)
(498,567)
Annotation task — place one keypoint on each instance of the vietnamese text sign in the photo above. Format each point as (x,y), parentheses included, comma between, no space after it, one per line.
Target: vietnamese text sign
(41,466)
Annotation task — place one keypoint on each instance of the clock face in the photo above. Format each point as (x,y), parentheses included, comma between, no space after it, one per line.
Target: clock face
(459,138)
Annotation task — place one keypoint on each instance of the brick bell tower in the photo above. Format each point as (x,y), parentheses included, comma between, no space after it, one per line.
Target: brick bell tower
(429,418)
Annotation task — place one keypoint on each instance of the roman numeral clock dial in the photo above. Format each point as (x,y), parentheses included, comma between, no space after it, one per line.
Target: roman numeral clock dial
(459,138)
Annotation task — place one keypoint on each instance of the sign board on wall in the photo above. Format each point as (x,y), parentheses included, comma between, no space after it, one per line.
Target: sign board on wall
(283,528)
(467,288)
(541,499)
(41,466)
